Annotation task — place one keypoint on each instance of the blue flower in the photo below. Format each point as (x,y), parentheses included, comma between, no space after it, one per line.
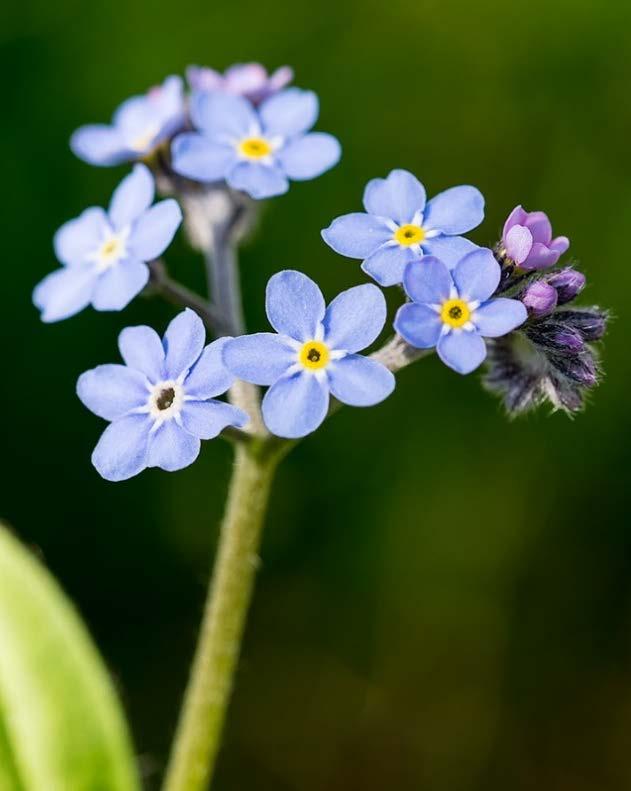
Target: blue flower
(161,402)
(399,226)
(313,354)
(452,310)
(256,150)
(105,254)
(138,126)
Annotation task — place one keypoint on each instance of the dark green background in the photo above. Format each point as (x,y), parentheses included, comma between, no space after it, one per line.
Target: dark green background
(445,600)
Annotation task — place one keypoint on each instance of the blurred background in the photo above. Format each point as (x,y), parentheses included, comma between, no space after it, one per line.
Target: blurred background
(445,596)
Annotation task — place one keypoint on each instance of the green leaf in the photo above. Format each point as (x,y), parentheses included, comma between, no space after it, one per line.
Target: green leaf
(61,726)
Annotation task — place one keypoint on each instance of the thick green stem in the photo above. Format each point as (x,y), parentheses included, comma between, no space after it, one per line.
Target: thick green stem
(199,730)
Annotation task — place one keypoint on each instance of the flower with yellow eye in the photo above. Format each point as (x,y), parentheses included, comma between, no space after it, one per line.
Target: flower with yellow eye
(453,310)
(254,149)
(400,226)
(105,254)
(314,353)
(139,125)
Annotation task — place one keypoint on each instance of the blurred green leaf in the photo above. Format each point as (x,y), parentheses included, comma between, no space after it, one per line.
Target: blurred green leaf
(61,727)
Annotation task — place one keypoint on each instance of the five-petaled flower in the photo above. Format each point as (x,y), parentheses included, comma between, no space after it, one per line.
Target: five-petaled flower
(400,226)
(139,125)
(104,254)
(313,354)
(161,403)
(256,150)
(453,310)
(527,240)
(244,79)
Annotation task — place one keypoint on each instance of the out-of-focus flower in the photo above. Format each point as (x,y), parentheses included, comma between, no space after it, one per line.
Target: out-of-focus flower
(453,310)
(139,125)
(256,150)
(160,404)
(400,226)
(527,240)
(313,354)
(540,298)
(104,254)
(250,80)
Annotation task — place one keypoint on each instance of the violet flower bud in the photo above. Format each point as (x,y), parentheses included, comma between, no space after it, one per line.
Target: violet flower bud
(539,298)
(591,324)
(568,283)
(527,239)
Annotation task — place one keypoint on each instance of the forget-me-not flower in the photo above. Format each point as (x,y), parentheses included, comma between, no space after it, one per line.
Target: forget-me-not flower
(453,310)
(313,354)
(161,403)
(104,254)
(256,150)
(244,79)
(139,125)
(527,240)
(400,225)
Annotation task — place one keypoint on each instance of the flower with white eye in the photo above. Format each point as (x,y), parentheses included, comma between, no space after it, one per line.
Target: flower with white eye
(161,403)
(314,353)
(139,125)
(104,254)
(400,225)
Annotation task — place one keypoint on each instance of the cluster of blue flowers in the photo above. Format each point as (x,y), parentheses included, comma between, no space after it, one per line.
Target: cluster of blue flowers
(246,131)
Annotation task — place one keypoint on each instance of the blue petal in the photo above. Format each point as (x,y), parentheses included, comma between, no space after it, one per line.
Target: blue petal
(289,113)
(121,452)
(201,159)
(261,358)
(356,235)
(172,448)
(112,391)
(449,249)
(399,196)
(388,264)
(309,156)
(183,342)
(154,231)
(65,292)
(222,116)
(259,181)
(461,350)
(119,284)
(499,316)
(132,197)
(142,350)
(76,239)
(419,325)
(295,405)
(477,275)
(359,381)
(355,318)
(427,281)
(100,145)
(207,419)
(294,305)
(454,211)
(209,377)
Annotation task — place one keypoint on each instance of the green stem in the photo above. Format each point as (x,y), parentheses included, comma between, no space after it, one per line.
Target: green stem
(208,693)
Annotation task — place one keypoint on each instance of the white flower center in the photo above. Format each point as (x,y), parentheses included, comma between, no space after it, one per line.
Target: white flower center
(143,141)
(165,400)
(112,249)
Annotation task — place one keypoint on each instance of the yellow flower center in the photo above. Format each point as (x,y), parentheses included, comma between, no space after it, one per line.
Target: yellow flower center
(143,141)
(111,250)
(255,148)
(314,355)
(407,235)
(455,312)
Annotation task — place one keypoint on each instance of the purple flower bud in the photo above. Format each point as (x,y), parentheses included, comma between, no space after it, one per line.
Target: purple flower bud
(539,298)
(583,370)
(568,283)
(527,238)
(243,79)
(591,324)
(569,338)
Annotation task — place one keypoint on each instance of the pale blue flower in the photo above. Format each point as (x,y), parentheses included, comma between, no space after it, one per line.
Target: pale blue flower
(400,226)
(104,254)
(453,310)
(314,353)
(161,403)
